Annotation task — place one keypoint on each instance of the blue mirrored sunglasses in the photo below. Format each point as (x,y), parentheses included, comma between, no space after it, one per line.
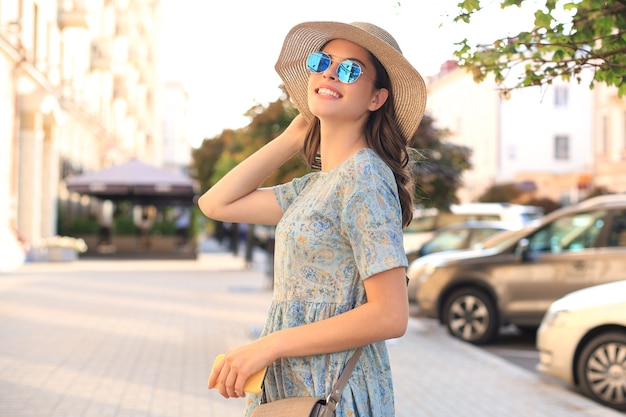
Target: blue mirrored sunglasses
(347,71)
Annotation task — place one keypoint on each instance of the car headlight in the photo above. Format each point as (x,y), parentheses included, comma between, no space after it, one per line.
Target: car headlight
(427,271)
(555,318)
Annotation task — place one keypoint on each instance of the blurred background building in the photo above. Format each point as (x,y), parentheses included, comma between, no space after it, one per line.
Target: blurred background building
(177,150)
(79,91)
(562,140)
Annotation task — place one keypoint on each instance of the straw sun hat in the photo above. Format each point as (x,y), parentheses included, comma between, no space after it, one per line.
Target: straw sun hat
(407,85)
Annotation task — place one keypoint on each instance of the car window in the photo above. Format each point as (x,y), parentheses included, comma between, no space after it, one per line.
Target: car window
(572,232)
(431,222)
(447,240)
(480,235)
(617,234)
(528,218)
(502,238)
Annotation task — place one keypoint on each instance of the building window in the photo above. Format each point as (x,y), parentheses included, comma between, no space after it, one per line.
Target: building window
(561,147)
(560,96)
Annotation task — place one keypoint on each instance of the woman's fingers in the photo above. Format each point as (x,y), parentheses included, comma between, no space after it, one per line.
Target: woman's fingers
(215,372)
(230,381)
(232,371)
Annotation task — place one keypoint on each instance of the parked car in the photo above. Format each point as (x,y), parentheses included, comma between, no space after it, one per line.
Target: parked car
(427,221)
(582,341)
(465,235)
(515,283)
(423,266)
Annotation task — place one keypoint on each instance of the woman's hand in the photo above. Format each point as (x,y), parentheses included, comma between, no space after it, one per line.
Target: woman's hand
(237,366)
(238,198)
(297,130)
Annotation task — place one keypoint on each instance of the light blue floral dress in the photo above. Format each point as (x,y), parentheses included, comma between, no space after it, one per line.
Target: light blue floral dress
(339,228)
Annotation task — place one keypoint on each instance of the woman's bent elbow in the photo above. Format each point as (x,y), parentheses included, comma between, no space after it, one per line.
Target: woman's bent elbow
(394,325)
(208,207)
(398,329)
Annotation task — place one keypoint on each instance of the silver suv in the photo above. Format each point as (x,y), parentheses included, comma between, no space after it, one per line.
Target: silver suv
(515,282)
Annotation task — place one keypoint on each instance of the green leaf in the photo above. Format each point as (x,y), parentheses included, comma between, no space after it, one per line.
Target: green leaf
(622,88)
(570,6)
(470,6)
(507,3)
(558,55)
(543,20)
(595,37)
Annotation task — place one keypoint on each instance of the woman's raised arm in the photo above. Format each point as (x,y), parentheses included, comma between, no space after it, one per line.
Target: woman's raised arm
(237,196)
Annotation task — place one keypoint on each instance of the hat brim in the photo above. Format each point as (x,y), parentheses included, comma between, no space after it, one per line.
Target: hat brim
(407,85)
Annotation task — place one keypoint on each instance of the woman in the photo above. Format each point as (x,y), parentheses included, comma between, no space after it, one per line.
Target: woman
(340,263)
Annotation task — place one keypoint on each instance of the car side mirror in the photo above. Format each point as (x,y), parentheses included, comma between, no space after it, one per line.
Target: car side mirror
(524,251)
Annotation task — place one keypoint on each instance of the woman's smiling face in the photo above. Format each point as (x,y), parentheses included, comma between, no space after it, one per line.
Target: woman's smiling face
(329,97)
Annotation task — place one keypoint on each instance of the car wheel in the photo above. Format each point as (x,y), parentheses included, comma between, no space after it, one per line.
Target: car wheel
(470,314)
(601,369)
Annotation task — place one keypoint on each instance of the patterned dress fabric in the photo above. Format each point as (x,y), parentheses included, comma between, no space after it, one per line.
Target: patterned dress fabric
(338,229)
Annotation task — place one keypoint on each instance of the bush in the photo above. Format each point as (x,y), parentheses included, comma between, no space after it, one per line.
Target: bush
(83,226)
(164,228)
(124,226)
(547,204)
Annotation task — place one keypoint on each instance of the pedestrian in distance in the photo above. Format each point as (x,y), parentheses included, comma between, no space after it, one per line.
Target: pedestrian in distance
(340,263)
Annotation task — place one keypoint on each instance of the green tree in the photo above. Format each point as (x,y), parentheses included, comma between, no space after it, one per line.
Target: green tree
(218,155)
(593,35)
(267,123)
(598,191)
(204,159)
(546,203)
(501,193)
(438,166)
(511,192)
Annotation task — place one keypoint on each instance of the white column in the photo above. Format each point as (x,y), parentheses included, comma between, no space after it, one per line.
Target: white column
(11,252)
(30,170)
(49,179)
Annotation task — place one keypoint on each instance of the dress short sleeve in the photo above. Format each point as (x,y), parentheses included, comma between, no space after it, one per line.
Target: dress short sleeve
(286,193)
(372,220)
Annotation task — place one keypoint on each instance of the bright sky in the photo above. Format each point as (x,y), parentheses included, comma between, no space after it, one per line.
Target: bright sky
(224,51)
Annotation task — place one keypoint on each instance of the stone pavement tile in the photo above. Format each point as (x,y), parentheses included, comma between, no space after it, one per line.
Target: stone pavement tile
(138,338)
(123,338)
(436,375)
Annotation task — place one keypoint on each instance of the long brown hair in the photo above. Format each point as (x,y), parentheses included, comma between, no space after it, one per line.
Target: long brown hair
(382,135)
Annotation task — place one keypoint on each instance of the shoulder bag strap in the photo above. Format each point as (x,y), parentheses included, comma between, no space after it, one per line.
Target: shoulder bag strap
(335,396)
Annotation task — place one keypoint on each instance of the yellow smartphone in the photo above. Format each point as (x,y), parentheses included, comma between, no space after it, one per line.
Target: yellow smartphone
(252,385)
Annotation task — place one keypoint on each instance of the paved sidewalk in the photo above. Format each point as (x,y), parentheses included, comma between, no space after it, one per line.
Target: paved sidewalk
(97,338)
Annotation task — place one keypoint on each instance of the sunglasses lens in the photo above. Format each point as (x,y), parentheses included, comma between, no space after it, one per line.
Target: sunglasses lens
(318,62)
(348,71)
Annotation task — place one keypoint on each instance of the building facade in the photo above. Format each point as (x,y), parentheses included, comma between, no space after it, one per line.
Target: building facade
(564,139)
(78,92)
(177,149)
(470,113)
(609,130)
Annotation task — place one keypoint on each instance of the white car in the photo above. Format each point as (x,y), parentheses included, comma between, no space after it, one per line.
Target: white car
(427,221)
(582,341)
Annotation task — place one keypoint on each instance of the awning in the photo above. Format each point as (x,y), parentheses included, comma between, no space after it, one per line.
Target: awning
(138,182)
